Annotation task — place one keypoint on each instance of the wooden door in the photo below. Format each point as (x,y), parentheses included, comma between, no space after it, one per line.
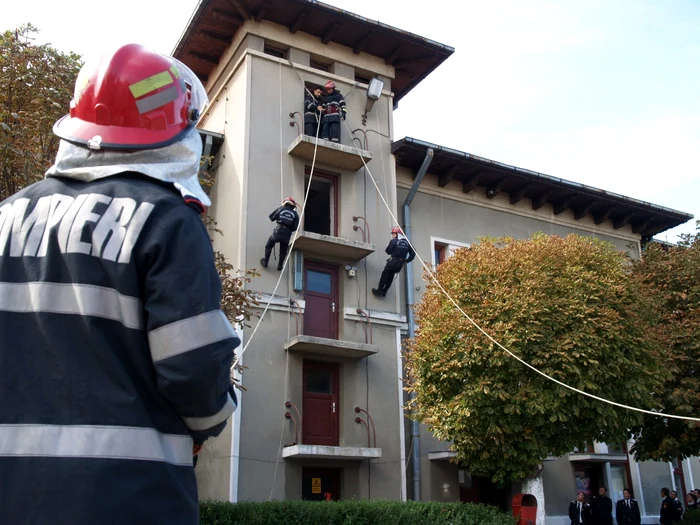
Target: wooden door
(321,297)
(320,404)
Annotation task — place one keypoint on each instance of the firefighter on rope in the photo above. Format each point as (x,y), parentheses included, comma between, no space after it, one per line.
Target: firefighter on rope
(287,221)
(400,253)
(333,110)
(115,356)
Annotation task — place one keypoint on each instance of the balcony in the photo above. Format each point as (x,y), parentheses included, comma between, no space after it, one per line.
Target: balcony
(326,452)
(442,455)
(329,153)
(320,346)
(332,248)
(591,457)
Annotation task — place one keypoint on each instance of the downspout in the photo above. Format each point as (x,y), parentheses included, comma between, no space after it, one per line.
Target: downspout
(415,428)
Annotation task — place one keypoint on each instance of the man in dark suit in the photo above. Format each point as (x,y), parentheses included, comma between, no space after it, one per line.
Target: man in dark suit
(677,507)
(602,508)
(627,510)
(668,508)
(580,511)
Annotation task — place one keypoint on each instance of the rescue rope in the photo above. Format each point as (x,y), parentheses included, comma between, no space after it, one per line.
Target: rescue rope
(429,271)
(289,253)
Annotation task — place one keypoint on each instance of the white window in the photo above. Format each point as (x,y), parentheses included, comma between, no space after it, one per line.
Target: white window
(444,248)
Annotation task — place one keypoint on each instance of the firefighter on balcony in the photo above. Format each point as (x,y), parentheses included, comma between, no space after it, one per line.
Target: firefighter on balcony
(333,111)
(120,355)
(313,112)
(400,252)
(287,223)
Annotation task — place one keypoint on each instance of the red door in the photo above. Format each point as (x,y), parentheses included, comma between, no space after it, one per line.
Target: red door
(320,404)
(321,297)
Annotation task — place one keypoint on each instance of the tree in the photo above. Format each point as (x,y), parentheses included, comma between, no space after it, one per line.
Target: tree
(569,307)
(673,277)
(36,85)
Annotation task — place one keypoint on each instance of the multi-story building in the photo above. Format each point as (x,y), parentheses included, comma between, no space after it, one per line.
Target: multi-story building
(322,415)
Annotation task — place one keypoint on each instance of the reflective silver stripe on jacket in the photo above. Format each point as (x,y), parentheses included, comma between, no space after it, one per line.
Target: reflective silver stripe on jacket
(189,334)
(96,442)
(78,299)
(204,423)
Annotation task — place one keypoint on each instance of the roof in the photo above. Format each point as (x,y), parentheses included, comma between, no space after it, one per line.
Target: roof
(214,22)
(448,164)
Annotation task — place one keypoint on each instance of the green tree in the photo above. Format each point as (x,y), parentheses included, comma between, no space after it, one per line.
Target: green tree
(673,277)
(36,85)
(569,307)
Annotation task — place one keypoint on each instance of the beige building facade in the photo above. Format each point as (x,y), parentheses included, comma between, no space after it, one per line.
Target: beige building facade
(322,415)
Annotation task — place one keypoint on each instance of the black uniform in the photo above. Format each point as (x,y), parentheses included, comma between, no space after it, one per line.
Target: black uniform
(627,512)
(401,252)
(580,513)
(667,511)
(602,510)
(312,116)
(677,510)
(287,223)
(333,110)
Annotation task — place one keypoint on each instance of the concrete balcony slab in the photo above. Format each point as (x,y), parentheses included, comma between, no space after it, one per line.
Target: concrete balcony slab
(330,153)
(325,452)
(329,347)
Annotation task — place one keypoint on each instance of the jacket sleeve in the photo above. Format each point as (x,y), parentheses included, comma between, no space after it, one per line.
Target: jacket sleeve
(190,340)
(295,226)
(411,254)
(390,248)
(274,215)
(343,109)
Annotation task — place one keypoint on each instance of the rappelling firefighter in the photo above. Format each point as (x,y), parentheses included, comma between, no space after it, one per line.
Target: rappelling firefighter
(333,110)
(115,356)
(287,221)
(313,112)
(400,252)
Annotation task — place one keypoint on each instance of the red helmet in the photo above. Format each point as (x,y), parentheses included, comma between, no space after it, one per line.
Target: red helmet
(396,230)
(330,85)
(132,98)
(289,200)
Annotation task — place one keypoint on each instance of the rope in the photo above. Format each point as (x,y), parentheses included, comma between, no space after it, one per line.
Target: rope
(289,252)
(429,271)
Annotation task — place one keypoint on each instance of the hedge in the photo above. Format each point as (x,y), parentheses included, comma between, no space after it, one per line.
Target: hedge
(353,512)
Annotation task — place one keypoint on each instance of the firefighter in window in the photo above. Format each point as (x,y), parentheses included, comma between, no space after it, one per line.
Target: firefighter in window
(287,221)
(333,111)
(313,112)
(400,252)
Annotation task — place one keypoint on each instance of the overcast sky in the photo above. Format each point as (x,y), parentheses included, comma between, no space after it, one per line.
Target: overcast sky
(602,92)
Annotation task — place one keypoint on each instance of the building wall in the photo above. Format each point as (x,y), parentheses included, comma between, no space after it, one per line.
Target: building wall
(257,92)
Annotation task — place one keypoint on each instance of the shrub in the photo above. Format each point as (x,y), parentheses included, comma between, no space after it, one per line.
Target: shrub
(350,513)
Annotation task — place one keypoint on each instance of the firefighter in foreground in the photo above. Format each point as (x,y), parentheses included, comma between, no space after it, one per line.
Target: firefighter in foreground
(115,356)
(333,110)
(400,252)
(287,221)
(313,112)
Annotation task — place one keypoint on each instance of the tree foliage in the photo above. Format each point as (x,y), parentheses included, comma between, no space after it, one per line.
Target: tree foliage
(569,307)
(36,85)
(673,276)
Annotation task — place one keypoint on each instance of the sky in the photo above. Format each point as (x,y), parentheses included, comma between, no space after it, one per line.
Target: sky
(601,92)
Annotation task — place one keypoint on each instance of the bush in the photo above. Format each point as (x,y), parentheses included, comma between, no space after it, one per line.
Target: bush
(350,513)
(691,517)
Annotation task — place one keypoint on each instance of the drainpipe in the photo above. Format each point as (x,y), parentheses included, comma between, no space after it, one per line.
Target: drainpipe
(415,428)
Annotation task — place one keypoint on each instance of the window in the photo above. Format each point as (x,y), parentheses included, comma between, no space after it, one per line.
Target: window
(443,248)
(275,51)
(318,64)
(362,79)
(321,213)
(439,253)
(678,478)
